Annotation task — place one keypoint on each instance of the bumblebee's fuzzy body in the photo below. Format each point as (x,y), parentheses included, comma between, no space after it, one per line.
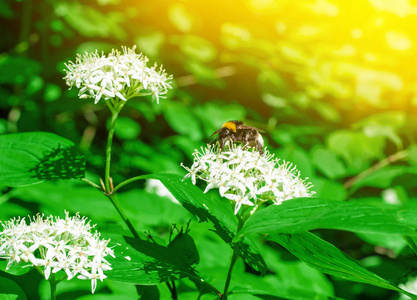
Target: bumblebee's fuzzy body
(236,131)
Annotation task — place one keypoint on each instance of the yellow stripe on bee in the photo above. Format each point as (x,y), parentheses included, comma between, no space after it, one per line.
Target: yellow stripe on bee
(230,125)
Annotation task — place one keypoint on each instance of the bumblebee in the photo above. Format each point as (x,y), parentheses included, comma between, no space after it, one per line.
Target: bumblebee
(236,131)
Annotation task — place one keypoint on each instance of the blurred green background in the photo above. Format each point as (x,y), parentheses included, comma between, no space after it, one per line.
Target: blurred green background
(333,84)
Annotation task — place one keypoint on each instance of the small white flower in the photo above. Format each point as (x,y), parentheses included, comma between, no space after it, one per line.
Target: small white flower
(246,177)
(56,244)
(116,76)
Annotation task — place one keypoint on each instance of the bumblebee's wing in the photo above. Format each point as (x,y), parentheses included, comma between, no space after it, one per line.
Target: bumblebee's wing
(249,127)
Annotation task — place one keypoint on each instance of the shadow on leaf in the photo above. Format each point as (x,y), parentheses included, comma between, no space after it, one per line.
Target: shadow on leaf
(60,163)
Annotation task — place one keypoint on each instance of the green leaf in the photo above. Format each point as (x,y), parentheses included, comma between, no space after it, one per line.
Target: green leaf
(295,294)
(90,22)
(197,48)
(301,214)
(298,157)
(126,128)
(184,242)
(394,242)
(217,210)
(412,154)
(179,17)
(10,290)
(16,268)
(328,189)
(382,178)
(15,70)
(150,43)
(182,121)
(33,157)
(328,163)
(387,124)
(147,263)
(357,149)
(327,258)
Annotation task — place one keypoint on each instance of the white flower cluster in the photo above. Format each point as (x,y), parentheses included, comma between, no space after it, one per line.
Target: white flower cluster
(246,177)
(122,75)
(54,245)
(410,286)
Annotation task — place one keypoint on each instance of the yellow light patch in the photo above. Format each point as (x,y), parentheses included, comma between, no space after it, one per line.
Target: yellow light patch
(230,125)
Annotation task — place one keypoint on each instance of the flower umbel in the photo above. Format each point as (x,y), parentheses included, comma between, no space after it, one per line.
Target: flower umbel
(246,177)
(117,76)
(55,244)
(410,286)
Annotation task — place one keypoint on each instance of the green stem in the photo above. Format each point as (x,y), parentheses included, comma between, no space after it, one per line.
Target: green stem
(109,189)
(208,285)
(229,273)
(108,151)
(52,284)
(119,209)
(236,246)
(127,182)
(90,183)
(385,162)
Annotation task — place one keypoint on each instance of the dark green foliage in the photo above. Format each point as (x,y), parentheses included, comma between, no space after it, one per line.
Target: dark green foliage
(332,84)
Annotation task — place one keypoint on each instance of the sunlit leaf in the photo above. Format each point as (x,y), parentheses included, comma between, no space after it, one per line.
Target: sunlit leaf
(385,125)
(90,22)
(301,214)
(298,157)
(356,148)
(151,43)
(33,157)
(327,189)
(383,177)
(325,257)
(182,121)
(179,17)
(293,295)
(126,128)
(197,48)
(327,163)
(15,269)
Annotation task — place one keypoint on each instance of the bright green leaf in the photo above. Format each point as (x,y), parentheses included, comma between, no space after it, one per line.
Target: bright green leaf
(294,294)
(150,43)
(197,48)
(179,17)
(52,92)
(328,163)
(357,149)
(126,128)
(327,189)
(328,259)
(33,157)
(182,121)
(301,214)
